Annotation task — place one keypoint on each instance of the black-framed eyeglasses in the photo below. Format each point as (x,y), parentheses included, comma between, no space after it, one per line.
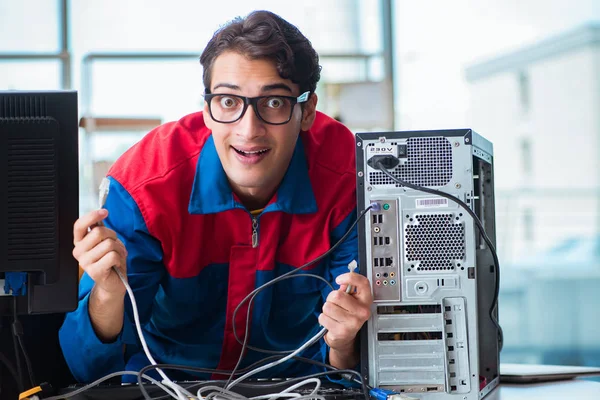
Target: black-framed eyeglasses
(274,110)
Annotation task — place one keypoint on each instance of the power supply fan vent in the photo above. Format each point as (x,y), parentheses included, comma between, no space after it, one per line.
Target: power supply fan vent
(428,163)
(24,106)
(435,241)
(31,199)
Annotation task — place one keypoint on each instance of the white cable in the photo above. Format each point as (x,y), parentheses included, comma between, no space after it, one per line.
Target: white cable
(309,343)
(105,378)
(276,396)
(230,395)
(102,197)
(351,266)
(224,393)
(317,381)
(181,392)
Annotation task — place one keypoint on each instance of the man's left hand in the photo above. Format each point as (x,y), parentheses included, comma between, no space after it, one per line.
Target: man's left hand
(343,316)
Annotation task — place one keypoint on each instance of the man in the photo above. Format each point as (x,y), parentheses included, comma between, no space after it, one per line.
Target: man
(204,210)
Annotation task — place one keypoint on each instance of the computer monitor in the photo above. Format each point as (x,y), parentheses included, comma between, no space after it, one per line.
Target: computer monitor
(39,200)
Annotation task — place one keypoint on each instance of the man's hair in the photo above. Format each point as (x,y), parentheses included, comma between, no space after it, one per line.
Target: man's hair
(264,35)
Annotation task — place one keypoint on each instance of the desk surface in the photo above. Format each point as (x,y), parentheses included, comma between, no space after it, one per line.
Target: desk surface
(567,390)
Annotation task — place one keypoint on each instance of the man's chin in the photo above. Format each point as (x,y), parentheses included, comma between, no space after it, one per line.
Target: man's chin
(249,184)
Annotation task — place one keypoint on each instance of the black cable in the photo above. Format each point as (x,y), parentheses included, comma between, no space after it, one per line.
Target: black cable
(246,336)
(379,164)
(20,381)
(18,336)
(253,294)
(11,369)
(279,278)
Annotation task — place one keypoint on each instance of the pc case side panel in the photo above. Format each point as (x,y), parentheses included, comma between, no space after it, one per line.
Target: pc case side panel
(484,206)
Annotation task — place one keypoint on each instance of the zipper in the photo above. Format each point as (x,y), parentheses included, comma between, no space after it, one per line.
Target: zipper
(254,231)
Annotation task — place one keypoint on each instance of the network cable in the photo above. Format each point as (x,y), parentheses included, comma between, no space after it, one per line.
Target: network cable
(105,378)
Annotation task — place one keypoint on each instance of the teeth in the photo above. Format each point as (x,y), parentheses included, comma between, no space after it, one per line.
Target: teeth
(252,152)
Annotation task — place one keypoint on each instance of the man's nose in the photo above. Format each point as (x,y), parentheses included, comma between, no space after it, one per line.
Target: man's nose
(250,126)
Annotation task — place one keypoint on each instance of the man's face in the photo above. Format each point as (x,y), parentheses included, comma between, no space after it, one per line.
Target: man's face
(254,154)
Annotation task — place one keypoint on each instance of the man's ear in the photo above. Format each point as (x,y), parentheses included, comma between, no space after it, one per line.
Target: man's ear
(309,112)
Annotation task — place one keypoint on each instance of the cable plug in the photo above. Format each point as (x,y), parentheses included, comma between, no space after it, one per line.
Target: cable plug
(381,394)
(39,392)
(351,267)
(386,394)
(387,161)
(15,283)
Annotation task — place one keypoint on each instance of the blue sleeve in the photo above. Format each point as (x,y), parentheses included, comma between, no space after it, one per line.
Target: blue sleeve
(88,357)
(344,253)
(338,265)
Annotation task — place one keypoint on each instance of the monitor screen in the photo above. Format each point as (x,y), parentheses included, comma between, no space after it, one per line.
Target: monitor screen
(39,201)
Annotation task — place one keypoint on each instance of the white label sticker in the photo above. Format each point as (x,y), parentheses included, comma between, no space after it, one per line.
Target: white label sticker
(432,203)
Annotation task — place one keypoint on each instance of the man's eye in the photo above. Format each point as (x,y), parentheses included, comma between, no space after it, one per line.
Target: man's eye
(275,102)
(227,102)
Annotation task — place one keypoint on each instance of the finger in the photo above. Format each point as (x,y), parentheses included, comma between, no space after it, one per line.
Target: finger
(92,239)
(101,269)
(97,252)
(361,284)
(122,245)
(336,313)
(342,299)
(327,322)
(80,228)
(350,304)
(336,331)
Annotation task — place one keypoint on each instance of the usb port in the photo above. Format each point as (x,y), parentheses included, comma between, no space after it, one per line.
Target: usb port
(376,262)
(380,218)
(387,240)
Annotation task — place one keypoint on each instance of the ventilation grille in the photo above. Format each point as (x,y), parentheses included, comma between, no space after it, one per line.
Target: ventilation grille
(429,163)
(31,199)
(435,241)
(23,107)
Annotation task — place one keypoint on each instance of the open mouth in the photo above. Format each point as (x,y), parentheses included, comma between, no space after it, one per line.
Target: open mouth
(254,153)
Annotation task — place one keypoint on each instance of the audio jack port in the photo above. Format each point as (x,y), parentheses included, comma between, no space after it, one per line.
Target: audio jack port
(385,283)
(392,274)
(377,275)
(392,282)
(376,229)
(378,283)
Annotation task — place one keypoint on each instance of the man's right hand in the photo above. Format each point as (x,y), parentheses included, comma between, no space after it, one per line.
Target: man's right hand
(97,249)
